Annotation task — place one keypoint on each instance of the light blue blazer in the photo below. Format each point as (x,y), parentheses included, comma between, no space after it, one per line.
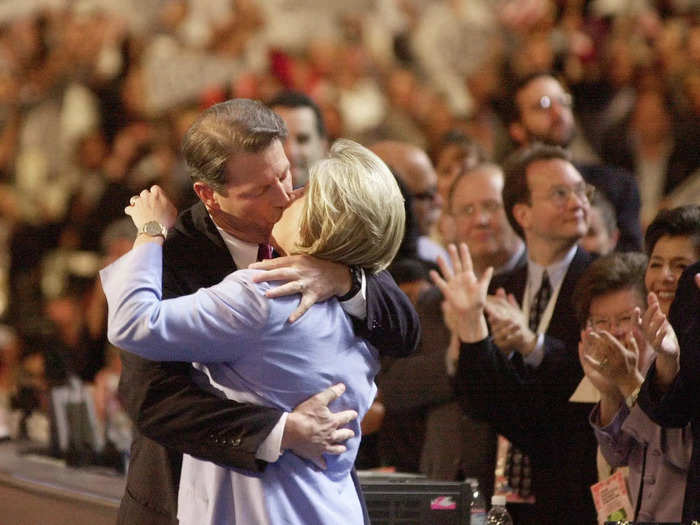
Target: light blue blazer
(244,347)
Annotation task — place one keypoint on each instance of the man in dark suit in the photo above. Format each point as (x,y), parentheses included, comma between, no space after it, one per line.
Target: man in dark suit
(520,378)
(540,110)
(673,400)
(417,390)
(242,177)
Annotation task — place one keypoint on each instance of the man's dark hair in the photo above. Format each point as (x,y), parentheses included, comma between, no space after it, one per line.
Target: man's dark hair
(295,99)
(683,221)
(515,187)
(510,108)
(612,273)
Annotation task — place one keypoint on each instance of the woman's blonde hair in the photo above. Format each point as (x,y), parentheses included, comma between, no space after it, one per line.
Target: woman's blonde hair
(353,210)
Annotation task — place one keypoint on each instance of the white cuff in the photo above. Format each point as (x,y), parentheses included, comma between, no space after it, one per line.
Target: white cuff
(534,359)
(271,449)
(356,306)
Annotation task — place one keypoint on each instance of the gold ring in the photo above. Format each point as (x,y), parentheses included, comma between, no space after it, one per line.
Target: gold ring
(604,362)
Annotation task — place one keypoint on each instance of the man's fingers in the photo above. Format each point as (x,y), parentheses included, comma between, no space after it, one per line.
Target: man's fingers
(329,394)
(444,267)
(278,274)
(439,281)
(277,262)
(486,278)
(467,259)
(342,434)
(307,301)
(334,450)
(697,280)
(291,288)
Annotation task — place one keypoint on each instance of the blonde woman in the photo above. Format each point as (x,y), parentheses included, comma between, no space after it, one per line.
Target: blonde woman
(245,348)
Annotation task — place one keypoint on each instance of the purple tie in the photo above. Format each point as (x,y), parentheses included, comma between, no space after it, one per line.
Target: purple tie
(264,251)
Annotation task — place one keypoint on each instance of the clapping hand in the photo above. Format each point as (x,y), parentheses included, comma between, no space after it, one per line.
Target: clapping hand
(464,294)
(614,362)
(509,327)
(660,335)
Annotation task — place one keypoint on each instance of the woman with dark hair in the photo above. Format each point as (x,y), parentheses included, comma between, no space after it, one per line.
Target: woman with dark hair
(672,242)
(616,350)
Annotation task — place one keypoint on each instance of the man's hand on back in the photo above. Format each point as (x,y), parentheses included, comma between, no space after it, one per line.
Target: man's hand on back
(315,279)
(312,430)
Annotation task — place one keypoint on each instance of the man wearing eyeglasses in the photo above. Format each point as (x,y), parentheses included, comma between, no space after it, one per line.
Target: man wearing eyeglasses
(419,388)
(413,166)
(521,376)
(541,110)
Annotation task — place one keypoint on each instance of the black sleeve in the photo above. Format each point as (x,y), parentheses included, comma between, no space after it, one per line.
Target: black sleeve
(392,324)
(169,408)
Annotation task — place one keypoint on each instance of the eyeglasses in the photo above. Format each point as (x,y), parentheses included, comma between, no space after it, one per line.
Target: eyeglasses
(427,195)
(546,102)
(624,321)
(489,207)
(559,195)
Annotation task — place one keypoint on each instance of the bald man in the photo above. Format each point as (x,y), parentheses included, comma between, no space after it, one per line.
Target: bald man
(413,166)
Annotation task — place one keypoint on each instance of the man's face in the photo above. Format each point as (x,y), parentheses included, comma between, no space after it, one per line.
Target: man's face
(421,180)
(303,145)
(257,192)
(559,207)
(545,113)
(479,217)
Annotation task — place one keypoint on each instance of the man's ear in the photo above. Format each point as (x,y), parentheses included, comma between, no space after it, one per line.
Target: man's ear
(522,213)
(518,132)
(205,194)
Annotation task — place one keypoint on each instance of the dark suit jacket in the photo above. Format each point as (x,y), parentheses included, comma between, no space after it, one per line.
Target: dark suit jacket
(532,408)
(621,190)
(681,404)
(172,416)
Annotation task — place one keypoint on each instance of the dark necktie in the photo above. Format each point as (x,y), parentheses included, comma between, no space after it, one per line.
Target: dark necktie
(540,302)
(518,471)
(264,251)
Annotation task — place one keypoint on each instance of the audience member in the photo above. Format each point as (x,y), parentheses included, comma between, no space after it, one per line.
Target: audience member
(417,390)
(414,168)
(603,233)
(669,394)
(672,243)
(521,377)
(615,353)
(541,110)
(307,140)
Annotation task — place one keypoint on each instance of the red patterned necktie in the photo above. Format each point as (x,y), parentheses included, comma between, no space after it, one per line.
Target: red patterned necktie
(264,251)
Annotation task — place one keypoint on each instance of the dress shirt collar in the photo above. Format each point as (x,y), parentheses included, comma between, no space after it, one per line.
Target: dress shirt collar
(555,271)
(243,253)
(512,262)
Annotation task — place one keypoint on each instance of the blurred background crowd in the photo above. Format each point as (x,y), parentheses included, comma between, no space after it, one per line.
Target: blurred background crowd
(95,96)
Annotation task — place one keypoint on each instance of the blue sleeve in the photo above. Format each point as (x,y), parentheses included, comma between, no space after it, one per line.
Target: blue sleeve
(199,327)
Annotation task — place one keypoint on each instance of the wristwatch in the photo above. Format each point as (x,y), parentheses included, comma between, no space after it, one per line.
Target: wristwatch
(153,229)
(355,286)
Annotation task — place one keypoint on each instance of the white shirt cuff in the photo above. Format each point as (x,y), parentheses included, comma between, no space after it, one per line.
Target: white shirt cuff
(271,449)
(356,306)
(534,359)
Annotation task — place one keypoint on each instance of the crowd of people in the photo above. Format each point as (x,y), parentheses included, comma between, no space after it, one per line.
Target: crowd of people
(541,134)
